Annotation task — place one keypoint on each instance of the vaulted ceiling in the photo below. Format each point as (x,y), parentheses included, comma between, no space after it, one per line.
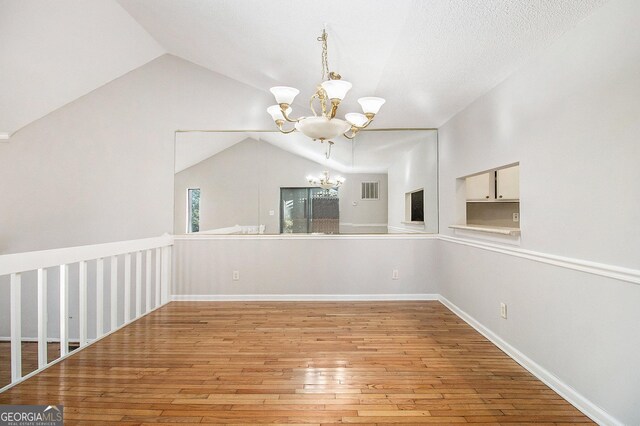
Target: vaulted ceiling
(53,52)
(428,58)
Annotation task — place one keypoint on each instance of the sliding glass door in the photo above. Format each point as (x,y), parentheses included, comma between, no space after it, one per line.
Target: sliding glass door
(309,210)
(294,213)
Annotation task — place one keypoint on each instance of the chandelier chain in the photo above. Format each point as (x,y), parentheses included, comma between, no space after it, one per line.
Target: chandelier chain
(325,56)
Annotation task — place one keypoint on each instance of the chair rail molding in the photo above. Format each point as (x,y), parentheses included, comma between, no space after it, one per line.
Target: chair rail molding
(602,269)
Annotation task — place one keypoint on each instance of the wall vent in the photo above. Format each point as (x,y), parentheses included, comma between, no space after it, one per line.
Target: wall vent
(370,190)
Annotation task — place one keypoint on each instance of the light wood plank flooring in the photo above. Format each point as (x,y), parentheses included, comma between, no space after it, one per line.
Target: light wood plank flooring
(293,362)
(29,358)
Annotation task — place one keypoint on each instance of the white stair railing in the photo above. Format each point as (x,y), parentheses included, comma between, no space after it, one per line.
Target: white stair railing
(15,265)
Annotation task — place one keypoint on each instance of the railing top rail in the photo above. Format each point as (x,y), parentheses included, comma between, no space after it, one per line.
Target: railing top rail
(28,261)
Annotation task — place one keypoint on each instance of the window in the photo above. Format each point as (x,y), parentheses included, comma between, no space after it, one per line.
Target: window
(414,206)
(369,190)
(193,209)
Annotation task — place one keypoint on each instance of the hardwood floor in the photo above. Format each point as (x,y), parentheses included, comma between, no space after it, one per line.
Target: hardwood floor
(29,359)
(295,362)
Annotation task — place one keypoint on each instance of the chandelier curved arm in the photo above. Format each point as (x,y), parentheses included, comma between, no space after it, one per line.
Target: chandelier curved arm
(283,109)
(355,128)
(334,108)
(369,116)
(321,96)
(354,132)
(280,123)
(365,125)
(315,96)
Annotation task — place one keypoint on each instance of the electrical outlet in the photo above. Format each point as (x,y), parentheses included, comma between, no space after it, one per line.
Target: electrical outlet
(503,310)
(394,274)
(516,217)
(236,275)
(272,212)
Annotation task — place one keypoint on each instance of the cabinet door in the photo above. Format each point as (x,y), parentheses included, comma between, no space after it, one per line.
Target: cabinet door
(479,187)
(509,183)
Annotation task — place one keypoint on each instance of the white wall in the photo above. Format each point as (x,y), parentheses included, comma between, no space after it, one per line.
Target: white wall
(240,185)
(101,168)
(570,116)
(414,170)
(289,266)
(358,216)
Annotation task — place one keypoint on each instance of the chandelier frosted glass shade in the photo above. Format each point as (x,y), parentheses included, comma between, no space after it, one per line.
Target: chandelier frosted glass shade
(336,89)
(322,128)
(284,94)
(276,112)
(356,119)
(371,105)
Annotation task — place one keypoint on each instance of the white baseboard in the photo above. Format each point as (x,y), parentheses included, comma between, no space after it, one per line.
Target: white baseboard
(299,297)
(576,399)
(35,339)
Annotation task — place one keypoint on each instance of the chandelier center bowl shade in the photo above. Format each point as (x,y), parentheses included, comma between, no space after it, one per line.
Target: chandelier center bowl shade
(323,126)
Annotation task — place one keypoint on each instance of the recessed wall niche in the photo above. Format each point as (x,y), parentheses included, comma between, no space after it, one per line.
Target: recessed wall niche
(492,201)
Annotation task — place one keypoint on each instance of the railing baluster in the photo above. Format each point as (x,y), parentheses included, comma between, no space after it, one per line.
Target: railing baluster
(42,318)
(82,302)
(99,297)
(147,277)
(157,278)
(114,292)
(157,282)
(138,284)
(127,287)
(64,310)
(16,327)
(166,262)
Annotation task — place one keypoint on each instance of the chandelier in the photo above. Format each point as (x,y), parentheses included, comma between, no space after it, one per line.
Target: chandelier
(324,126)
(325,182)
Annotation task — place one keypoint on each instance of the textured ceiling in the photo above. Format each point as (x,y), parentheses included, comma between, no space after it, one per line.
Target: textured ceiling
(428,58)
(53,52)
